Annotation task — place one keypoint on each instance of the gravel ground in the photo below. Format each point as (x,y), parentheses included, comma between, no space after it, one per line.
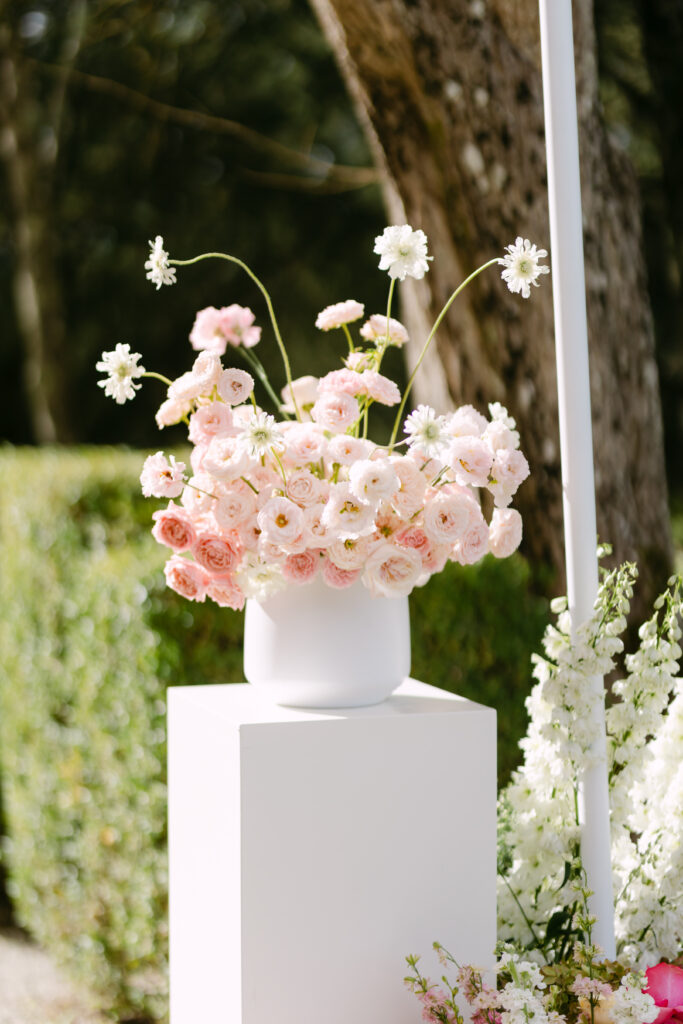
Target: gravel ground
(34,991)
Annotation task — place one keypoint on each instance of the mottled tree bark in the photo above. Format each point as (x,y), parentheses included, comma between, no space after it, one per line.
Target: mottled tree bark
(451,94)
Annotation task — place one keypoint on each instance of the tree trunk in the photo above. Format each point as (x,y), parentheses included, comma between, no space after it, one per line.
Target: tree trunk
(451,94)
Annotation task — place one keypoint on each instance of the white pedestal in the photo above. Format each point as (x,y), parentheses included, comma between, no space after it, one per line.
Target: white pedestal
(310,851)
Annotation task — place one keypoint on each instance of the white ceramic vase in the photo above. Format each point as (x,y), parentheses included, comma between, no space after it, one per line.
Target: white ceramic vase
(313,646)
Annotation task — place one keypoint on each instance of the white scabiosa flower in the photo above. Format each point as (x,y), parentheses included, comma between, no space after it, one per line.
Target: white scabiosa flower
(260,435)
(403,252)
(522,266)
(121,367)
(258,579)
(426,432)
(157,266)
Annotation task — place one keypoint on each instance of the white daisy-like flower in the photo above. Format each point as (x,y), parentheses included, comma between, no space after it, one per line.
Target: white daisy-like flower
(121,367)
(260,435)
(158,270)
(403,252)
(426,432)
(522,266)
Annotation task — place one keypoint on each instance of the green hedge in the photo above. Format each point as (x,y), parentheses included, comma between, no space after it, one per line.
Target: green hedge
(90,639)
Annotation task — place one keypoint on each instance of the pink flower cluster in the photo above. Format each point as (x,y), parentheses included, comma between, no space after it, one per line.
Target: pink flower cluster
(269,503)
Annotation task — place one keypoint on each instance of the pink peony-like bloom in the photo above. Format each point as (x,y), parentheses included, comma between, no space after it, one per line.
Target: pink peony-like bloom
(380,388)
(338,578)
(349,554)
(187,578)
(218,555)
(171,412)
(665,985)
(373,480)
(281,522)
(198,495)
(346,450)
(360,361)
(226,460)
(505,532)
(335,411)
(161,477)
(302,567)
(316,532)
(173,527)
(209,421)
(305,391)
(470,459)
(409,498)
(375,329)
(466,422)
(304,488)
(497,435)
(347,382)
(215,329)
(447,516)
(508,470)
(391,571)
(235,386)
(474,543)
(225,592)
(236,504)
(200,381)
(338,314)
(304,443)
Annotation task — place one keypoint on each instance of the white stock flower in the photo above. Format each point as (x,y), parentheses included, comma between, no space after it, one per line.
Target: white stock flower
(260,435)
(403,252)
(522,266)
(121,367)
(426,432)
(157,266)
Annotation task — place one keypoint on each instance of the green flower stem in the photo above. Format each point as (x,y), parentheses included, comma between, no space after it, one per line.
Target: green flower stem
(381,349)
(264,291)
(347,332)
(260,371)
(279,462)
(249,484)
(157,376)
(428,342)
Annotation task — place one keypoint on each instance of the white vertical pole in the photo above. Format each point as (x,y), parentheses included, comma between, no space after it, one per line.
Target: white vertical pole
(576,440)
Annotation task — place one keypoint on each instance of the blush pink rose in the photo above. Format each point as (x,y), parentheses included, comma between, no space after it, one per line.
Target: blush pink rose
(508,470)
(391,571)
(447,516)
(338,578)
(466,422)
(346,382)
(409,498)
(218,555)
(187,578)
(173,527)
(338,314)
(346,450)
(209,421)
(380,388)
(304,443)
(281,522)
(470,459)
(235,386)
(505,532)
(162,477)
(473,545)
(172,411)
(236,504)
(303,488)
(335,411)
(302,567)
(215,329)
(225,592)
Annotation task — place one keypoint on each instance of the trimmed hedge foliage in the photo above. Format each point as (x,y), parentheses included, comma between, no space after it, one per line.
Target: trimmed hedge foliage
(90,639)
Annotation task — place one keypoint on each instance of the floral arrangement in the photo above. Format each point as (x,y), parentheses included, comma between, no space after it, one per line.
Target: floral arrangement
(549,971)
(269,502)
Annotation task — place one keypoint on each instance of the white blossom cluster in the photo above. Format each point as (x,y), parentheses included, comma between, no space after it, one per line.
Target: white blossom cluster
(540,840)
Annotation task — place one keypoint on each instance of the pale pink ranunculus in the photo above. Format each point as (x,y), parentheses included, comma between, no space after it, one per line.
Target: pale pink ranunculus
(281,522)
(226,459)
(434,556)
(380,388)
(345,515)
(302,567)
(235,386)
(172,411)
(236,504)
(409,498)
(465,422)
(305,390)
(218,554)
(360,361)
(391,571)
(508,470)
(338,578)
(250,533)
(162,477)
(505,532)
(375,329)
(470,459)
(473,544)
(413,537)
(447,516)
(209,421)
(270,552)
(373,480)
(173,526)
(346,450)
(497,435)
(346,382)
(198,496)
(225,592)
(349,554)
(215,329)
(315,532)
(335,411)
(304,488)
(187,578)
(304,443)
(338,314)
(200,381)
(665,985)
